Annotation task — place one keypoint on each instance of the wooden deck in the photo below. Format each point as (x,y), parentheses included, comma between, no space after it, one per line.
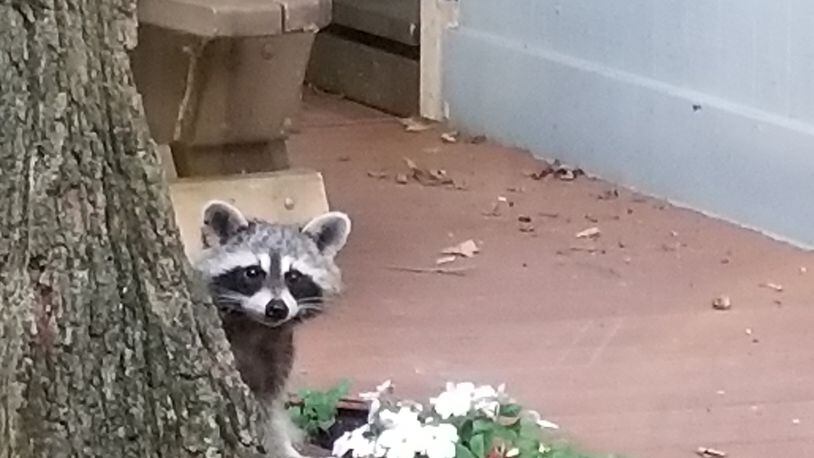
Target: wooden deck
(619,346)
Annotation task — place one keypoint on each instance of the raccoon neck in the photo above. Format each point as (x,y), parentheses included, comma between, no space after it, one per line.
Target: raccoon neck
(263,354)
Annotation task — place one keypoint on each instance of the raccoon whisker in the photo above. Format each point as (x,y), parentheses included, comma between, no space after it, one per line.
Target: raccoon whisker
(310,301)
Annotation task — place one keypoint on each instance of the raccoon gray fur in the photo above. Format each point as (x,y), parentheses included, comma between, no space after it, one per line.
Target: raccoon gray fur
(265,279)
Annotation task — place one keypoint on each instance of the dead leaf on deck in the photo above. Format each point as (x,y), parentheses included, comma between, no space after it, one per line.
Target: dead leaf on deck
(445,260)
(466,249)
(477,139)
(773,286)
(710,452)
(590,233)
(494,210)
(609,195)
(378,174)
(450,137)
(526,227)
(428,177)
(722,302)
(546,170)
(415,124)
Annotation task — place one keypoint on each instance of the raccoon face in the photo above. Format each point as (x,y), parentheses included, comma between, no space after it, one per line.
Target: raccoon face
(274,274)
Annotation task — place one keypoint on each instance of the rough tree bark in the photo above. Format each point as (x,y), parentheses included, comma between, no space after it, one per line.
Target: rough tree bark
(107,349)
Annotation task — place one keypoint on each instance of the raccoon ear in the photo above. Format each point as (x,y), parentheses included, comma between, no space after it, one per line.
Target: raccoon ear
(330,231)
(220,222)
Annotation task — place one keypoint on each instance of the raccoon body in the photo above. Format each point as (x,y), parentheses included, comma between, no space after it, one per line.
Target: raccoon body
(265,279)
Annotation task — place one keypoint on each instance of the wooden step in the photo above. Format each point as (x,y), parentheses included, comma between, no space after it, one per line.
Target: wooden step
(287,197)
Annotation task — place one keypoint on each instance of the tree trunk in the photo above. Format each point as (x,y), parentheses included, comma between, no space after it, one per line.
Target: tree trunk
(107,349)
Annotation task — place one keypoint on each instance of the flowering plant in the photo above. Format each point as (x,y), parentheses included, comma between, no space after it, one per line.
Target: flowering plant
(463,421)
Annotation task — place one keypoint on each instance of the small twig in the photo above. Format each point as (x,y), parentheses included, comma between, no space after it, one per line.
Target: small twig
(457,271)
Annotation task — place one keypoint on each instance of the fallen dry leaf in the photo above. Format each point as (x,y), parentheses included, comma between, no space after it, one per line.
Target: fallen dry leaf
(609,195)
(495,210)
(591,232)
(428,177)
(526,227)
(773,286)
(566,175)
(415,124)
(478,139)
(545,171)
(445,260)
(450,137)
(722,303)
(564,172)
(466,249)
(378,174)
(710,452)
(455,271)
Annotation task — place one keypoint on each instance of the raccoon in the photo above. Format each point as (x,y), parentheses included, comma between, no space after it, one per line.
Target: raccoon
(265,279)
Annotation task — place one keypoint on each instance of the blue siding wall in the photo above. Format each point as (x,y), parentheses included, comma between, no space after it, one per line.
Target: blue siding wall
(707,103)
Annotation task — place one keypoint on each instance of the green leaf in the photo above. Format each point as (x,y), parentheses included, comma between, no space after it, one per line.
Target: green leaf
(529,429)
(477,444)
(510,410)
(465,430)
(482,425)
(325,425)
(462,452)
(506,434)
(341,390)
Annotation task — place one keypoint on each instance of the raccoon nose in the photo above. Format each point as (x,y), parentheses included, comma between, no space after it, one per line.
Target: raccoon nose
(276,310)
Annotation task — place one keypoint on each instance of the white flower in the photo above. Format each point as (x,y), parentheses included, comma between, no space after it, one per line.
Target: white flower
(485,399)
(400,442)
(406,418)
(512,452)
(535,416)
(547,424)
(385,386)
(375,405)
(440,440)
(455,401)
(355,442)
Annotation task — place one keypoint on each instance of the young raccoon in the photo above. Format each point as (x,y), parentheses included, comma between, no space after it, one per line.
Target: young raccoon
(265,279)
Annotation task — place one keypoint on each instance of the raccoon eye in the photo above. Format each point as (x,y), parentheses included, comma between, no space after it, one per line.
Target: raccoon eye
(292,276)
(252,272)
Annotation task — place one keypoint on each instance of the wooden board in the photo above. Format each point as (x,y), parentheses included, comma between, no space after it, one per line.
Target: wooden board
(365,74)
(396,20)
(261,195)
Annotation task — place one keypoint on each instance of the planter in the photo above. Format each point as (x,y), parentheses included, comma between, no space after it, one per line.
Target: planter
(350,414)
